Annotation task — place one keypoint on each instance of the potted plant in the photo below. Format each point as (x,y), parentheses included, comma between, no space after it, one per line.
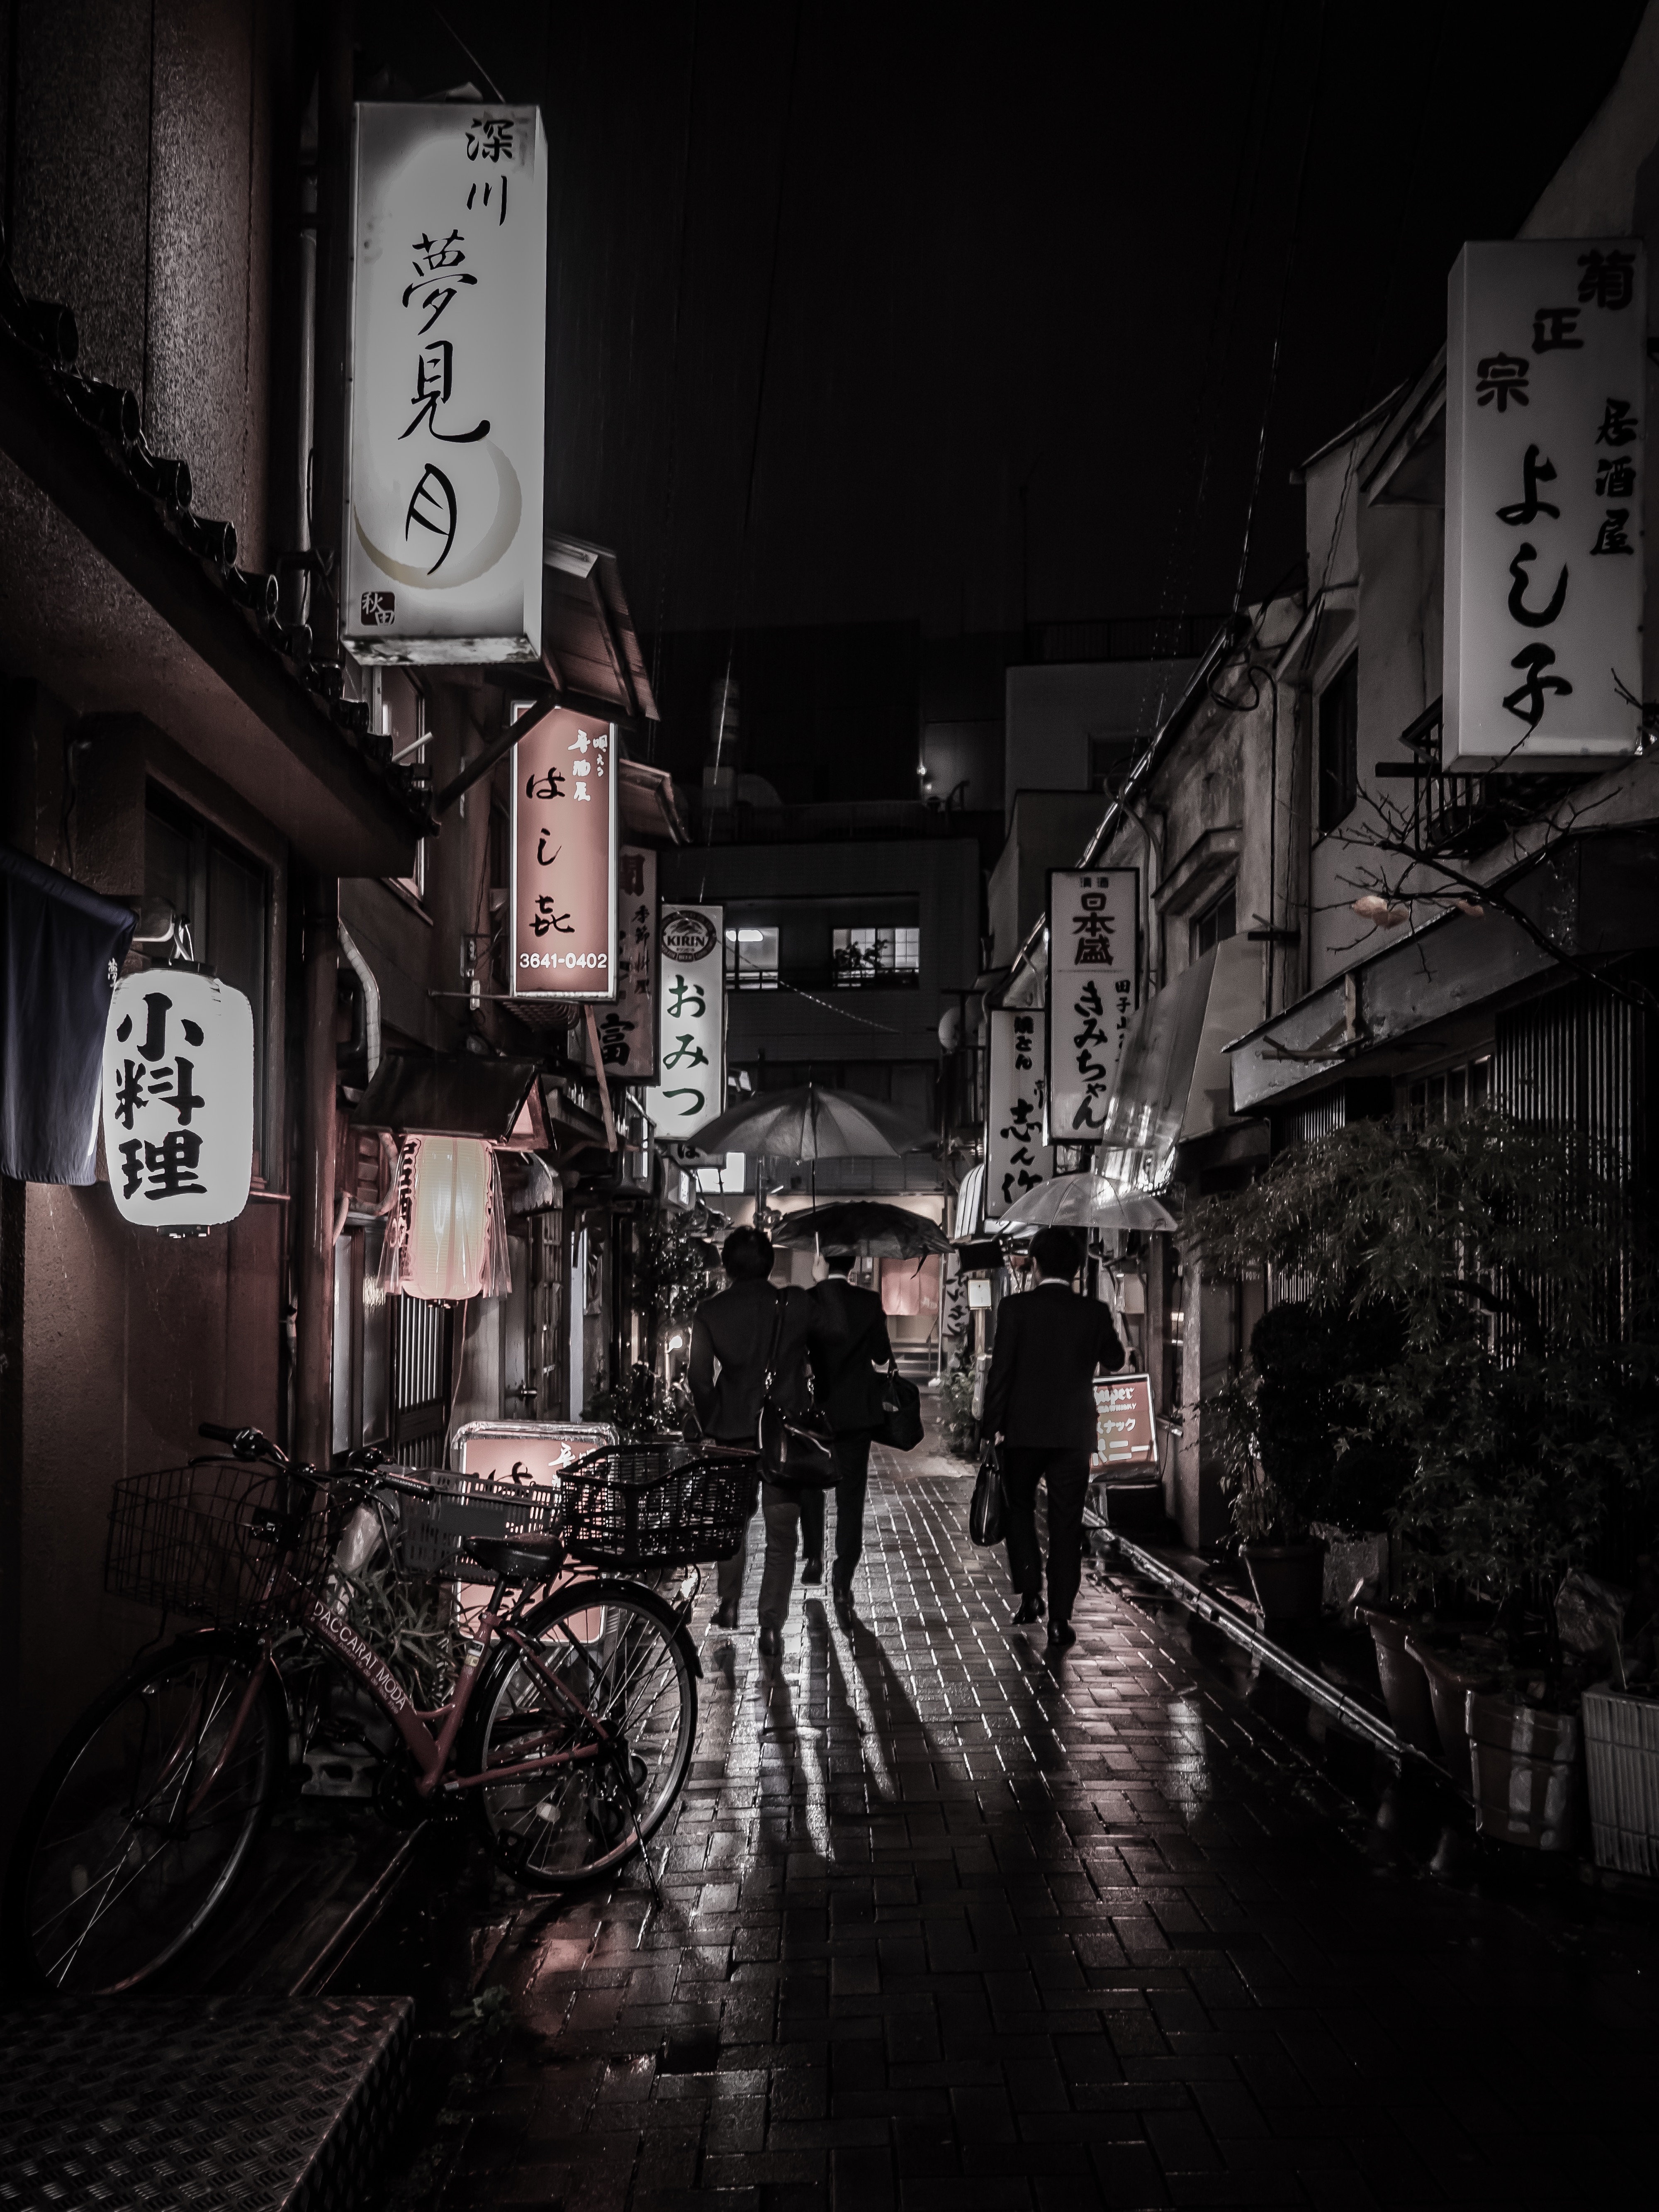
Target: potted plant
(1525,1382)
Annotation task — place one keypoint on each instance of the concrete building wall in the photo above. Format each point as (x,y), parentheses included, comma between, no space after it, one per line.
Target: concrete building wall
(1054,711)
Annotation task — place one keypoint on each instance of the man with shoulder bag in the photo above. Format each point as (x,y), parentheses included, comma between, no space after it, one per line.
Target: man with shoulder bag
(850,1348)
(1040,1401)
(748,1365)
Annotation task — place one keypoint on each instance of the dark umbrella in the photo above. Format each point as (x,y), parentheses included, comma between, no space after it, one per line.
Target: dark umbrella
(885,1232)
(811,1123)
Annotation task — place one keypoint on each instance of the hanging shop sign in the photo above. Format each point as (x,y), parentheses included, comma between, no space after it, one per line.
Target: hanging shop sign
(443,535)
(1125,1434)
(1017,1158)
(628,1031)
(690,1021)
(564,859)
(1093,993)
(448,1236)
(178,1099)
(1546,385)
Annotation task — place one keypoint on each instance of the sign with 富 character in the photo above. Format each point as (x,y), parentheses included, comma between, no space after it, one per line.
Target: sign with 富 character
(628,1028)
(441,558)
(690,1088)
(1546,400)
(178,1099)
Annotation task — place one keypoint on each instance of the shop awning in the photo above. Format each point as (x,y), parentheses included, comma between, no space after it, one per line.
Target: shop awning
(463,1095)
(1172,1081)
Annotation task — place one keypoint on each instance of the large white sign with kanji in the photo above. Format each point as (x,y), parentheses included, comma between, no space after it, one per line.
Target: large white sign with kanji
(1017,1158)
(1546,382)
(442,530)
(178,1099)
(1093,993)
(690,1021)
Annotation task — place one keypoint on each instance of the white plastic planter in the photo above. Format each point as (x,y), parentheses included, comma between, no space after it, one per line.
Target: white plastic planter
(1621,1748)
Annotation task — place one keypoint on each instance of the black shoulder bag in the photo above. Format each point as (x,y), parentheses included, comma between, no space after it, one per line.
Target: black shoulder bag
(797,1450)
(901,1427)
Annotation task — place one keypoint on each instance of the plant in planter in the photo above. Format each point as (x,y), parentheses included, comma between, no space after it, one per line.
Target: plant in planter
(1526,1384)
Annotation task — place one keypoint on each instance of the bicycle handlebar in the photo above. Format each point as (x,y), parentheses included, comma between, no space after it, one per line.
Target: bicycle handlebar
(365,1466)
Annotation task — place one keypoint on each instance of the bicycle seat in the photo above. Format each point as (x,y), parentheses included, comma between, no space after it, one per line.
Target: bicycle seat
(518,1559)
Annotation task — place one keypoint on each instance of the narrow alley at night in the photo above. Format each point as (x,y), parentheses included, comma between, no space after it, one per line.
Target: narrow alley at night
(829,954)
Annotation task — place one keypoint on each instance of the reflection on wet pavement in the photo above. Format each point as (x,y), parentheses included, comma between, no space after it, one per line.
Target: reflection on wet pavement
(945,1925)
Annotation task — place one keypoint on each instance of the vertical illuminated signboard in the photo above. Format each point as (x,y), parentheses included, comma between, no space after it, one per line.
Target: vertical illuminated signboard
(1545,404)
(178,1099)
(690,1021)
(628,1031)
(1017,1156)
(564,857)
(442,540)
(1093,994)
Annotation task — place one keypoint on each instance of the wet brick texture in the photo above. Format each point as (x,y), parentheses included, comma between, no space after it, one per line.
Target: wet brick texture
(949,1930)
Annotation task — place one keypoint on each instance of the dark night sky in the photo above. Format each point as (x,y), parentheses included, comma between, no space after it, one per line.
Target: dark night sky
(1048,250)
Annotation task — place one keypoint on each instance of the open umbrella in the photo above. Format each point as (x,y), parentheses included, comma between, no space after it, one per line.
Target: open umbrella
(884,1232)
(1084,1201)
(811,1123)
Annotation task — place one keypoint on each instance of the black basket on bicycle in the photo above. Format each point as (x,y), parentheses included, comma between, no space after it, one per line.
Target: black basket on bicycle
(662,1504)
(198,1539)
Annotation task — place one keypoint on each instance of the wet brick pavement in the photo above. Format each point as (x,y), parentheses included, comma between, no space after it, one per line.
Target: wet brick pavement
(949,1930)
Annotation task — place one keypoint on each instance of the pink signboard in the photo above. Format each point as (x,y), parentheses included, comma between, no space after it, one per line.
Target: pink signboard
(1125,1432)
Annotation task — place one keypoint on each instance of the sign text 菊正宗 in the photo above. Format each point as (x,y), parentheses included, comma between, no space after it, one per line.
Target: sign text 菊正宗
(564,859)
(1545,397)
(178,1099)
(1093,993)
(690,1088)
(1017,1158)
(442,556)
(627,1029)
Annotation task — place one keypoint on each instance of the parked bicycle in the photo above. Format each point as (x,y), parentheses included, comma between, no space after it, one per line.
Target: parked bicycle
(567,1729)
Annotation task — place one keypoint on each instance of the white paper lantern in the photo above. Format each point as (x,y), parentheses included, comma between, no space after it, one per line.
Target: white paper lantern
(449,1219)
(178,1099)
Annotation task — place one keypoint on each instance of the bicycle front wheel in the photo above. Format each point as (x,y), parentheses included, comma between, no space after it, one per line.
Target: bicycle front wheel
(142,1821)
(608,1691)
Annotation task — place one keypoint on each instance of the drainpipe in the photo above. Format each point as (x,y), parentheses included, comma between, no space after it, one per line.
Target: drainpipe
(315,1229)
(365,975)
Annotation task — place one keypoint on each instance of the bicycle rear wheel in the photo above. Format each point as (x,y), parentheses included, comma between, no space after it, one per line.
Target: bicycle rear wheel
(611,1689)
(142,1821)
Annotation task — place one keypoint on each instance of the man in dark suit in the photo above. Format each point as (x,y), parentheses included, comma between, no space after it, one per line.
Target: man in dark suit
(730,1350)
(849,1347)
(1040,1400)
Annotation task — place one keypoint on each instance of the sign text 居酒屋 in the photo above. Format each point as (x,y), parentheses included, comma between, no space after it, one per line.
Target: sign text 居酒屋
(1017,1158)
(564,857)
(1093,992)
(442,558)
(1546,386)
(691,1087)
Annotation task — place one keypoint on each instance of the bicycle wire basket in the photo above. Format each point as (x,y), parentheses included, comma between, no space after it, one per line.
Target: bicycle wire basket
(433,1534)
(663,1504)
(189,1539)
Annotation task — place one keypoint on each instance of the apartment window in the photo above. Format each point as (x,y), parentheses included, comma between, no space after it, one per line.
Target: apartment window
(1339,744)
(867,957)
(1219,920)
(224,895)
(1449,1095)
(751,959)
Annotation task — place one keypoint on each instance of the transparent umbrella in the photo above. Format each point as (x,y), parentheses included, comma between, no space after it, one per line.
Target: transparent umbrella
(1084,1201)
